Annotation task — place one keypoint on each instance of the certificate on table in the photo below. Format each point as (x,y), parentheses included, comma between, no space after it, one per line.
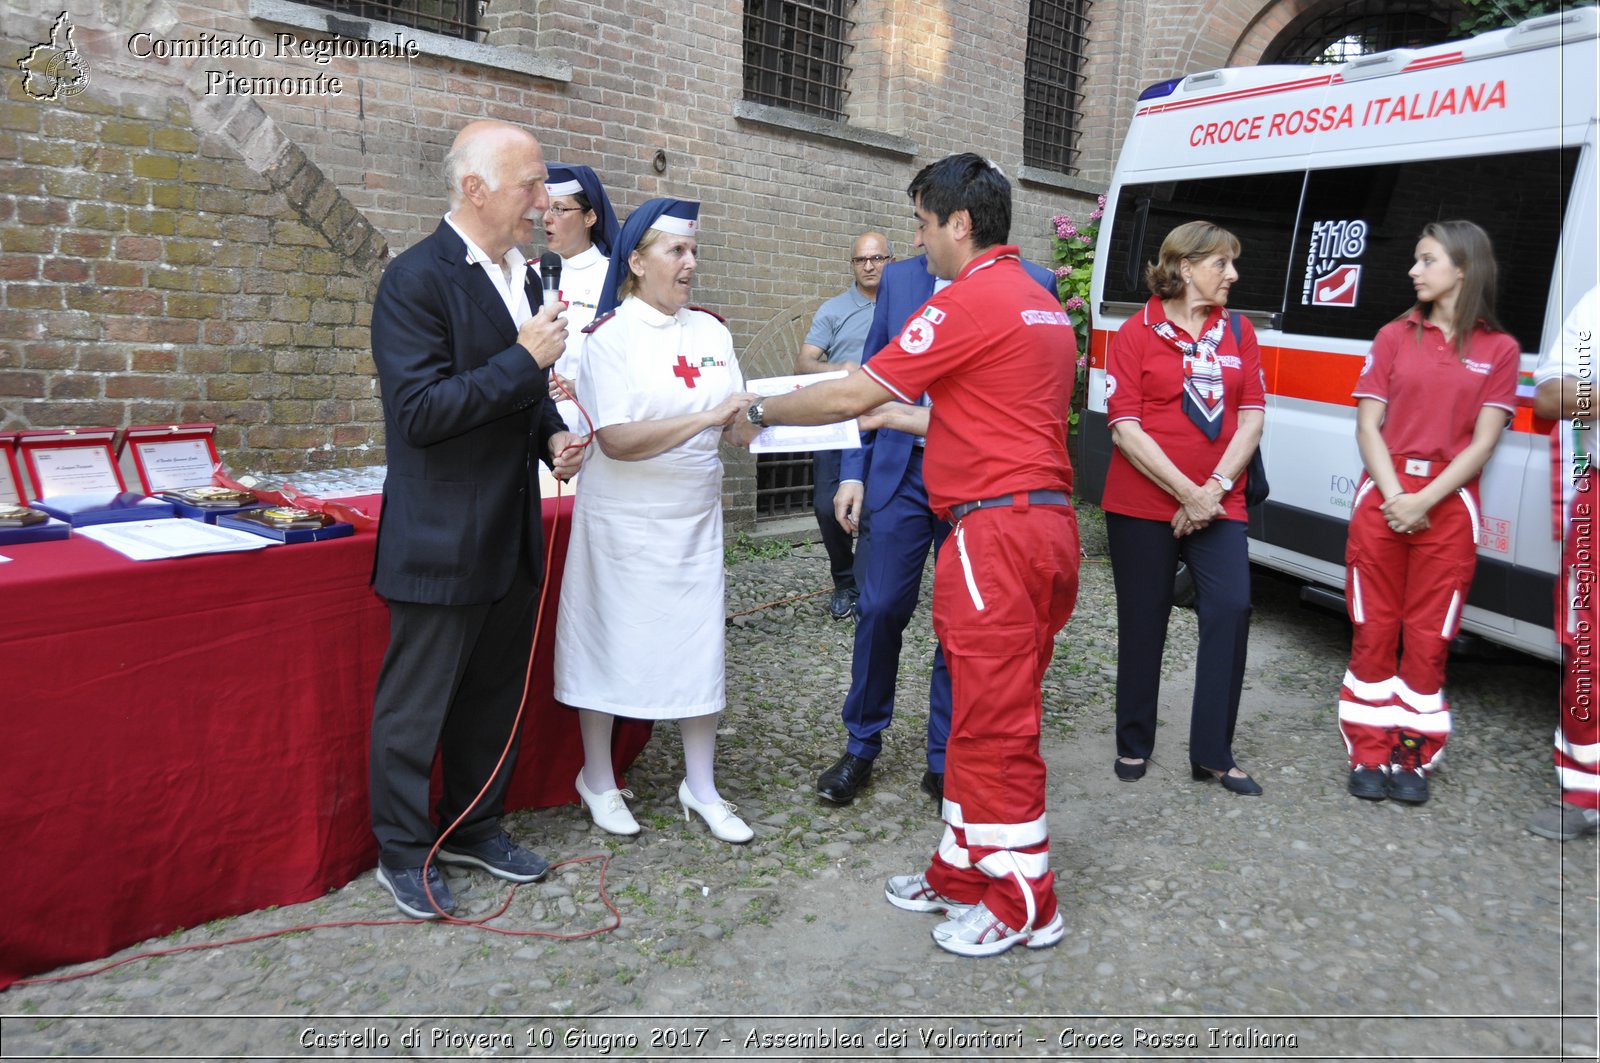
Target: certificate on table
(789,439)
(75,470)
(150,540)
(173,464)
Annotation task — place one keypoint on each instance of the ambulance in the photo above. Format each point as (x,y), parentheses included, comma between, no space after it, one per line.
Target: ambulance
(1327,175)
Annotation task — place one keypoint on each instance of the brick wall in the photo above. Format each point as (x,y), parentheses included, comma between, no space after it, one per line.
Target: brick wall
(149,275)
(160,262)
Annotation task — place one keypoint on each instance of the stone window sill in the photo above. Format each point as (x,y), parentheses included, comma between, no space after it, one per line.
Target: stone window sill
(319,20)
(1034,175)
(810,125)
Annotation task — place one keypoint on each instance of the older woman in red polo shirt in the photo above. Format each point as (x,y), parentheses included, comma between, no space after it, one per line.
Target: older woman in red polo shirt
(1185,407)
(1436,393)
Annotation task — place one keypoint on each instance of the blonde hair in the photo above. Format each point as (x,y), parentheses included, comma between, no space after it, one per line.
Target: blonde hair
(630,280)
(1189,242)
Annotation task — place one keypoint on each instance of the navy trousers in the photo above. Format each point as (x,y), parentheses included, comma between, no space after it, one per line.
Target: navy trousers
(1144,560)
(897,538)
(837,541)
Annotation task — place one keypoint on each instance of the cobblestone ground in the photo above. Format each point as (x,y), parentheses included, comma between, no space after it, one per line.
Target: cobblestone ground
(1200,925)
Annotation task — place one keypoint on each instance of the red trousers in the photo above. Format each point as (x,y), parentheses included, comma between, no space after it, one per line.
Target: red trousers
(1577,745)
(1004,584)
(1403,586)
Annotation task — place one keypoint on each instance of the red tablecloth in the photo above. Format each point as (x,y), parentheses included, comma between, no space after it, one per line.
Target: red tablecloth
(187,739)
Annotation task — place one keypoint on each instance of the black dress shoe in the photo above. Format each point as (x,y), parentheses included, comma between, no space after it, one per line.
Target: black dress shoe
(841,605)
(933,785)
(1129,772)
(1242,785)
(844,779)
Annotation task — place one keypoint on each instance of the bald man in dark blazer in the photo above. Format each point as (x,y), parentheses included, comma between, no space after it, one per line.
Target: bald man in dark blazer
(463,351)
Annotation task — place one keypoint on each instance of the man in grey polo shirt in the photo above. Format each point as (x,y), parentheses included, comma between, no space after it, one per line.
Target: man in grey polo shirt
(834,342)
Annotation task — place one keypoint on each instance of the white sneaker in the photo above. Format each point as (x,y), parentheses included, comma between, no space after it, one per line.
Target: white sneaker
(718,816)
(610,809)
(911,893)
(976,932)
(1563,822)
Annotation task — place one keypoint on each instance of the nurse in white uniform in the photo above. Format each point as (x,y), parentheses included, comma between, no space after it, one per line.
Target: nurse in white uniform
(580,226)
(640,632)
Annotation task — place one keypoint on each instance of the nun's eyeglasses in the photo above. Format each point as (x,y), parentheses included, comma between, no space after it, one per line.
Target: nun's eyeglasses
(561,212)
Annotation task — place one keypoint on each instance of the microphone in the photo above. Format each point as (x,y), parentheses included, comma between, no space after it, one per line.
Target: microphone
(550,276)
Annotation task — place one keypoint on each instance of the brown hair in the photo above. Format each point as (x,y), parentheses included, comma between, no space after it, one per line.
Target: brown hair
(630,280)
(1189,242)
(1471,252)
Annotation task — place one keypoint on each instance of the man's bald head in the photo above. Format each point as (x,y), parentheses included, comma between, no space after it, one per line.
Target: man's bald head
(868,255)
(481,148)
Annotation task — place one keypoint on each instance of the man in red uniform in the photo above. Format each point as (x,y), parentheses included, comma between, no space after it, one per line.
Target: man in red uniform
(995,354)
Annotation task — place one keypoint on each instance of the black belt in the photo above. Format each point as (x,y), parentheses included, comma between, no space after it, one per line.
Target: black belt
(1019,500)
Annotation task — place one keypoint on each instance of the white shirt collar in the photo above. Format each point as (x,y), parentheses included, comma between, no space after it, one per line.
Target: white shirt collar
(649,314)
(514,257)
(589,256)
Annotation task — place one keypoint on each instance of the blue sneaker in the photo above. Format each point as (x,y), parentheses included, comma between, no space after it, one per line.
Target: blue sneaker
(500,856)
(410,896)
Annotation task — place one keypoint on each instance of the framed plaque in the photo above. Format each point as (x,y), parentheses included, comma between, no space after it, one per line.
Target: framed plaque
(24,524)
(10,475)
(71,461)
(172,457)
(287,524)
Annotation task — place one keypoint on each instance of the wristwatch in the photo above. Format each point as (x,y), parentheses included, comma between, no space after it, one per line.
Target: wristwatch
(1227,484)
(752,413)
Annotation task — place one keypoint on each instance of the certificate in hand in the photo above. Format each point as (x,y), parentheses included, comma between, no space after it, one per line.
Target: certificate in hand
(790,439)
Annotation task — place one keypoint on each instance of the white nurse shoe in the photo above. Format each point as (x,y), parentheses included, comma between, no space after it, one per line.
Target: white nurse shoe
(609,810)
(718,816)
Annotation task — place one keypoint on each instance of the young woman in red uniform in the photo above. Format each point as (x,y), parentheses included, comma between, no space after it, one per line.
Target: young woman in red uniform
(1437,391)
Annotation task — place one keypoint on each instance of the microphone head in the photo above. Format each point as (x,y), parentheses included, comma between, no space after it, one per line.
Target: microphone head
(550,270)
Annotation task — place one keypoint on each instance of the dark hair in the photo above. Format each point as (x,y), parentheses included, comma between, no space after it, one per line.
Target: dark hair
(585,206)
(1471,252)
(971,183)
(1193,241)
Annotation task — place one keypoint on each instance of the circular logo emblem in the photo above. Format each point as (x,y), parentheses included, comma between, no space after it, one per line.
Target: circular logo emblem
(1111,385)
(1366,366)
(917,337)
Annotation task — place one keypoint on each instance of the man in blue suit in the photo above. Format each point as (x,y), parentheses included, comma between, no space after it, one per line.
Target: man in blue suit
(463,360)
(881,494)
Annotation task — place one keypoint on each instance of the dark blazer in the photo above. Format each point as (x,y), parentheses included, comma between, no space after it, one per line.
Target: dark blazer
(885,454)
(467,417)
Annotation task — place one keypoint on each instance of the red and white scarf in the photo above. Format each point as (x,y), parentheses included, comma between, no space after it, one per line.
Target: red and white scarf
(1202,372)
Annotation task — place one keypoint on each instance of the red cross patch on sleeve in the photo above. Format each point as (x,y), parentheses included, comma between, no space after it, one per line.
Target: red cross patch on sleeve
(918,336)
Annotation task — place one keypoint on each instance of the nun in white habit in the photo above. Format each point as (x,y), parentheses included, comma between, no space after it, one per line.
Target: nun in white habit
(640,631)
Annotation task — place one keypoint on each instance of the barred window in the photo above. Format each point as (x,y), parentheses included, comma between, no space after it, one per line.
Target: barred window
(451,18)
(794,52)
(1350,30)
(1053,87)
(783,485)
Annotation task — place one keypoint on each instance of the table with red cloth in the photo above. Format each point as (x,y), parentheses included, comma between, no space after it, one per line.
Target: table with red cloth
(186,739)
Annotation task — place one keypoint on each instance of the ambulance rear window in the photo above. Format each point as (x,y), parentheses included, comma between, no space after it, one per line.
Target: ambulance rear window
(1257,208)
(1360,224)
